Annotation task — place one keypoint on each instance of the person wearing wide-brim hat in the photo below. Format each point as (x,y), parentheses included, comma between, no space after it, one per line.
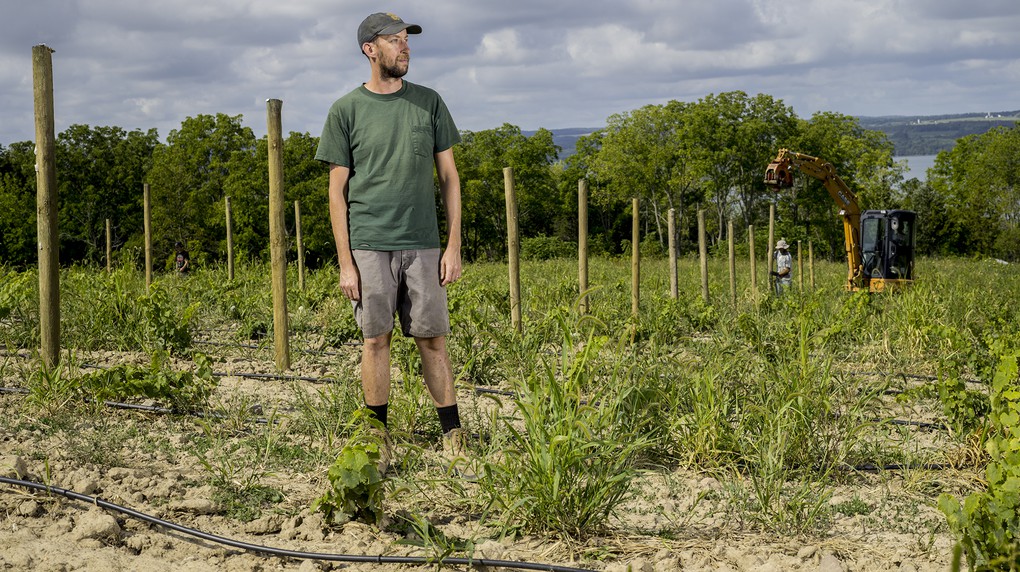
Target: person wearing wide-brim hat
(784,267)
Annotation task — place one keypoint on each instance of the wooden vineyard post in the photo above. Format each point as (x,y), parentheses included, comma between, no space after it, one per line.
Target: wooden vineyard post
(300,246)
(277,235)
(109,247)
(703,254)
(513,246)
(800,268)
(674,288)
(582,245)
(772,243)
(230,241)
(754,262)
(811,263)
(733,263)
(147,223)
(46,206)
(635,267)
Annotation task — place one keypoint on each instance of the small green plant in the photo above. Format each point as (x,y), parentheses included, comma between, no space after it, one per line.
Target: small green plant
(356,487)
(50,390)
(987,523)
(853,507)
(166,328)
(323,411)
(965,409)
(437,545)
(237,466)
(184,390)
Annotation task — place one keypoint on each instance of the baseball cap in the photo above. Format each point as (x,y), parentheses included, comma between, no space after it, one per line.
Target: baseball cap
(383,24)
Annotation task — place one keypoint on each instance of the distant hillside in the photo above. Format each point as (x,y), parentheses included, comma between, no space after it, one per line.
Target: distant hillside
(930,134)
(911,134)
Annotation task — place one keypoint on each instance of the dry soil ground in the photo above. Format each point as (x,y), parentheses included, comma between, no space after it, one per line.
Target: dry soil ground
(678,520)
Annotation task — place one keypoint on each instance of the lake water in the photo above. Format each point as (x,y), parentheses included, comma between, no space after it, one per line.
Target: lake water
(917,166)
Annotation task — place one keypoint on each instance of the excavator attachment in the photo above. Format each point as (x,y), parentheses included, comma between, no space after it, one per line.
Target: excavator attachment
(778,173)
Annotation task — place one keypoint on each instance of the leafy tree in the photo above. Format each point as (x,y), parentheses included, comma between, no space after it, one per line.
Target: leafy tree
(204,161)
(684,156)
(979,183)
(101,174)
(481,157)
(17,204)
(608,224)
(307,180)
(648,154)
(741,135)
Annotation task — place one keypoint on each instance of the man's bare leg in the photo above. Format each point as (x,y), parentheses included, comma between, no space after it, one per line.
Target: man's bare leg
(375,369)
(438,373)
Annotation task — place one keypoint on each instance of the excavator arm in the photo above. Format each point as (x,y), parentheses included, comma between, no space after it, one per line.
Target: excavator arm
(779,175)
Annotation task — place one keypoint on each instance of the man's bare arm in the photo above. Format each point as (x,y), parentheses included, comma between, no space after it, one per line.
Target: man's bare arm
(350,281)
(450,268)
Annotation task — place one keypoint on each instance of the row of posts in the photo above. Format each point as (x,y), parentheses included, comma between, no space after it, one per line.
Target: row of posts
(513,251)
(49,288)
(147,205)
(49,245)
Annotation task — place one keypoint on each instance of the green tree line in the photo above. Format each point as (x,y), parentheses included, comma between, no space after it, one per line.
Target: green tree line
(687,156)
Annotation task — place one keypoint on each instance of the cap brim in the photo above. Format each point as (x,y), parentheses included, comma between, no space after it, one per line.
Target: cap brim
(397,27)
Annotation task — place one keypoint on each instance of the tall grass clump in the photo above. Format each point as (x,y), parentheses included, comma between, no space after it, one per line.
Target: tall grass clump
(569,459)
(19,308)
(798,423)
(114,311)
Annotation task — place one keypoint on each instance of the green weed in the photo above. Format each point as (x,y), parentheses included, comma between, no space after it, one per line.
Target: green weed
(572,461)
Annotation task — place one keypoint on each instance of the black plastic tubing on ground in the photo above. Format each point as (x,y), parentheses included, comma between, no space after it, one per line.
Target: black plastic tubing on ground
(280,552)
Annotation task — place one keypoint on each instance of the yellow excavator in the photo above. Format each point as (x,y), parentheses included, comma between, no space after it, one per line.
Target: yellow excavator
(879,243)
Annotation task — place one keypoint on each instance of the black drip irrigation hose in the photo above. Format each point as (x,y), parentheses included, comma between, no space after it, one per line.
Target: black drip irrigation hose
(275,376)
(872,468)
(149,408)
(283,553)
(912,376)
(918,424)
(258,347)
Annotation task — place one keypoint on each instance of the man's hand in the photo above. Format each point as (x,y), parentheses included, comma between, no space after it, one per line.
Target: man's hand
(450,269)
(350,283)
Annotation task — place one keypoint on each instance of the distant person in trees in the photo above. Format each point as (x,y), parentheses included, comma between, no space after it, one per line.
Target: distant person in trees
(182,263)
(783,273)
(381,142)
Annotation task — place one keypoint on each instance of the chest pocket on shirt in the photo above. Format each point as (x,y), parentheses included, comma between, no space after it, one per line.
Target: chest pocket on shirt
(422,140)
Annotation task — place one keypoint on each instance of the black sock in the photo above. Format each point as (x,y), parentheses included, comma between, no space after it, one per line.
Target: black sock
(380,412)
(449,417)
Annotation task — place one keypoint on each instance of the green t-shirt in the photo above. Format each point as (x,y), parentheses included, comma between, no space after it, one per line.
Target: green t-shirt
(389,142)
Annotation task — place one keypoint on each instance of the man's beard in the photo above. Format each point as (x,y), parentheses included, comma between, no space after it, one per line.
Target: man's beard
(393,71)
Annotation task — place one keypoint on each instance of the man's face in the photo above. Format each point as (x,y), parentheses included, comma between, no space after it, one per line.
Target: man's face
(392,54)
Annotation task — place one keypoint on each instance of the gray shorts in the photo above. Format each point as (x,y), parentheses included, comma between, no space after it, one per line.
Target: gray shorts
(404,282)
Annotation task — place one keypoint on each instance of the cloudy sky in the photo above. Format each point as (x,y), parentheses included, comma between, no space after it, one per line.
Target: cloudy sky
(140,64)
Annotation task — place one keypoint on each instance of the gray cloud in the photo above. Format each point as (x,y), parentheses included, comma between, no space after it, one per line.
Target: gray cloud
(570,63)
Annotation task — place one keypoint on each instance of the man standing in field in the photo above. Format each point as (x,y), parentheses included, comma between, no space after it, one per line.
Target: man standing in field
(382,141)
(784,267)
